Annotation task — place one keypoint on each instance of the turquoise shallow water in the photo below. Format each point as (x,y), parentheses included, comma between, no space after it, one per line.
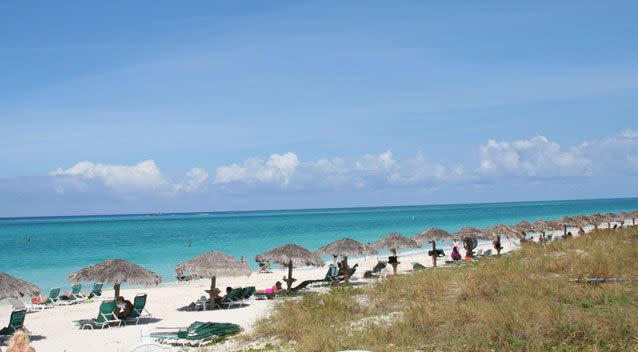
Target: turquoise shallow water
(62,245)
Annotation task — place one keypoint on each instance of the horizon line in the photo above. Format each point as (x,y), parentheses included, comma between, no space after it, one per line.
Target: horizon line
(303,209)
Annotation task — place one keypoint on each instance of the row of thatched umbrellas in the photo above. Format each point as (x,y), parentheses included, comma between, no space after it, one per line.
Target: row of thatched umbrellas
(213,264)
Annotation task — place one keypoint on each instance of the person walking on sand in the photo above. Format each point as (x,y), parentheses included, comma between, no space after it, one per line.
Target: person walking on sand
(19,342)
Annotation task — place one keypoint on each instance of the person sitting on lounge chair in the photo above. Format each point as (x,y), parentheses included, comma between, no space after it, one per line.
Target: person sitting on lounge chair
(123,307)
(271,291)
(37,298)
(455,254)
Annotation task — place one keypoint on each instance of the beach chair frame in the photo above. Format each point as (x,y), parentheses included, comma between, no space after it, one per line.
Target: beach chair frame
(139,309)
(105,318)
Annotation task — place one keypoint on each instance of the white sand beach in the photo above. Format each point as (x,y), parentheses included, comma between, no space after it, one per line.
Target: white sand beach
(53,329)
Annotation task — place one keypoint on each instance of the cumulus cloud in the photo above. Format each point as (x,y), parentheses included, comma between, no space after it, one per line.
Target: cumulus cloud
(143,177)
(278,169)
(121,178)
(196,179)
(379,162)
(534,157)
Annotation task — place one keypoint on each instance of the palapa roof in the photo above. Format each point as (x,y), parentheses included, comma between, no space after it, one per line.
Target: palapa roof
(471,232)
(11,287)
(213,264)
(395,241)
(345,247)
(432,234)
(116,271)
(501,230)
(294,252)
(541,225)
(595,219)
(522,226)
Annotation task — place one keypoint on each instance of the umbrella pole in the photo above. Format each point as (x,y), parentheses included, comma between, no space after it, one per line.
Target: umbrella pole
(498,245)
(345,262)
(564,230)
(395,262)
(289,281)
(116,287)
(213,283)
(434,254)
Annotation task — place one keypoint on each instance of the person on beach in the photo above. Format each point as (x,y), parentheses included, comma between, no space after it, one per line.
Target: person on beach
(19,342)
(455,254)
(123,307)
(38,298)
(271,291)
(263,266)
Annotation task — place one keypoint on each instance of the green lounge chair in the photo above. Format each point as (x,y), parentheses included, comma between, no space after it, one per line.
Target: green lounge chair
(232,298)
(97,290)
(139,309)
(418,266)
(54,296)
(197,334)
(16,321)
(75,296)
(105,317)
(247,293)
(376,271)
(331,276)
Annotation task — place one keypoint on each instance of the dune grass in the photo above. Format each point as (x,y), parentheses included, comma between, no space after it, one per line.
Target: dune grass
(521,301)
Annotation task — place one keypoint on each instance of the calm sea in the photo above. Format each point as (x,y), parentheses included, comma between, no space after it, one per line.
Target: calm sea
(62,245)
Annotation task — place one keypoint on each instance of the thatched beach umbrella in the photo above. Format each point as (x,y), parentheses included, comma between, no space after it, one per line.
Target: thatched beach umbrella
(595,220)
(11,287)
(345,247)
(568,221)
(117,272)
(211,265)
(522,227)
(394,241)
(612,217)
(292,254)
(470,234)
(499,230)
(432,235)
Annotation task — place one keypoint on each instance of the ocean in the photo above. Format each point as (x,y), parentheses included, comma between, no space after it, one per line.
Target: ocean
(61,245)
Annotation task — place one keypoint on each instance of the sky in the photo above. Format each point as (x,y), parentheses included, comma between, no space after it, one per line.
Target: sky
(163,106)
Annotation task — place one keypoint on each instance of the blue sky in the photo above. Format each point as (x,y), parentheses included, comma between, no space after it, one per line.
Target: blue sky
(112,107)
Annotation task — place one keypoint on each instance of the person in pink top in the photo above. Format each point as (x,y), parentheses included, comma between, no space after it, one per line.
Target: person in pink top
(270,291)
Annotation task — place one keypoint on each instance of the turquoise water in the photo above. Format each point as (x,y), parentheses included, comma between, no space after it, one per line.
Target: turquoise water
(62,245)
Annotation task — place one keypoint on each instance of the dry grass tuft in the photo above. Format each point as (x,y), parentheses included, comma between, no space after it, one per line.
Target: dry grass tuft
(522,301)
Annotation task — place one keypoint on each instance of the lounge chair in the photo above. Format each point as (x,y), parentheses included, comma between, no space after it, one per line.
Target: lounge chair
(262,296)
(487,252)
(331,276)
(264,268)
(97,290)
(16,321)
(417,266)
(105,317)
(139,309)
(232,298)
(75,296)
(197,334)
(247,293)
(376,271)
(54,296)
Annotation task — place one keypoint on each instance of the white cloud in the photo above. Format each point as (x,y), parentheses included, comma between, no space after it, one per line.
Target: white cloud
(534,157)
(379,162)
(278,169)
(418,170)
(121,178)
(629,133)
(196,178)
